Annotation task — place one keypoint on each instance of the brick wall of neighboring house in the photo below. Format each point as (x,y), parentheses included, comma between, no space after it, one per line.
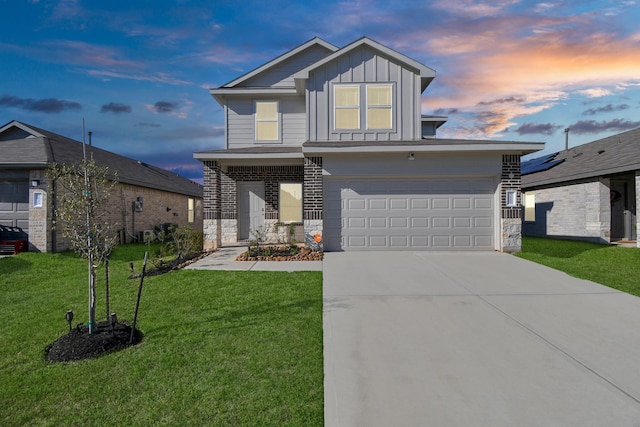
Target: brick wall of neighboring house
(39,225)
(510,218)
(581,209)
(119,212)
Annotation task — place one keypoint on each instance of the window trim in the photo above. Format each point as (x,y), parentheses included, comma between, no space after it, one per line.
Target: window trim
(357,107)
(277,120)
(38,199)
(511,198)
(280,202)
(363,107)
(378,107)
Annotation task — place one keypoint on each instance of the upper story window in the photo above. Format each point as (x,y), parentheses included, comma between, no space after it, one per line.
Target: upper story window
(347,102)
(267,121)
(378,106)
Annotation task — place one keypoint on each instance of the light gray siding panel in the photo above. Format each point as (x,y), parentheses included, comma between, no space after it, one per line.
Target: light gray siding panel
(240,132)
(397,164)
(293,121)
(364,65)
(281,75)
(240,121)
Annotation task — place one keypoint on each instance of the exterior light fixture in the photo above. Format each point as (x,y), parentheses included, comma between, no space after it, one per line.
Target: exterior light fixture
(35,182)
(168,209)
(412,156)
(69,316)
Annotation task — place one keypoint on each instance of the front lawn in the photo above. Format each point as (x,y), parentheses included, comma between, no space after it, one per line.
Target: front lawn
(613,266)
(219,348)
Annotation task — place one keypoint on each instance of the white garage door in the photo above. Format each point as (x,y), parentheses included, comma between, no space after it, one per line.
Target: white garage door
(419,214)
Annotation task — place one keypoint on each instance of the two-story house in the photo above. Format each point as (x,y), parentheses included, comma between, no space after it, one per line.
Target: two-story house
(333,139)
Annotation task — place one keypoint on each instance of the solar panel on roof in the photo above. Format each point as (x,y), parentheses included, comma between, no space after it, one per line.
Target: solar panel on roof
(539,164)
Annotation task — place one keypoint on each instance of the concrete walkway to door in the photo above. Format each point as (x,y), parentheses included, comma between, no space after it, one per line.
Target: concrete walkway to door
(475,339)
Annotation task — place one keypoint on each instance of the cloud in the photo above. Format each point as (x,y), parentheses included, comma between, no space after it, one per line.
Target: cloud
(606,109)
(446,111)
(530,62)
(165,106)
(116,108)
(538,128)
(157,78)
(509,100)
(595,92)
(591,126)
(46,105)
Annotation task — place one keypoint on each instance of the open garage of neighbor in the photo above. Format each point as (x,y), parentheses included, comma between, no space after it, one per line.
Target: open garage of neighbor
(447,213)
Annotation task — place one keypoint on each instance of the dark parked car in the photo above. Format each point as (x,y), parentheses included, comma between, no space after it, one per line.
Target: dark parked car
(13,240)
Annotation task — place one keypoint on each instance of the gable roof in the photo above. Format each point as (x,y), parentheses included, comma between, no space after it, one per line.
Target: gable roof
(304,46)
(426,74)
(614,154)
(36,148)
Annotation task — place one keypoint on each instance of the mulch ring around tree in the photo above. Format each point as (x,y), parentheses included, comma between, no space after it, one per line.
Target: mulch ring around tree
(280,253)
(79,345)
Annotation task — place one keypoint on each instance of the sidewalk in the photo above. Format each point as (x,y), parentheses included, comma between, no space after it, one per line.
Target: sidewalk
(225,259)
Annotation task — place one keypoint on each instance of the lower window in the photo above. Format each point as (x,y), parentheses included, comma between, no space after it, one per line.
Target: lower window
(290,202)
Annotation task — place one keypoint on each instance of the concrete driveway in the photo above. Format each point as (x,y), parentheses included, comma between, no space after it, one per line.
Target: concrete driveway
(475,339)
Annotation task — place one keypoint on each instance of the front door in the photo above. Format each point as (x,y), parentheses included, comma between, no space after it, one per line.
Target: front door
(250,208)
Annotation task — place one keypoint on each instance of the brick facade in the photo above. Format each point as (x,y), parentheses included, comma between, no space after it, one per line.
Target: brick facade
(510,216)
(313,192)
(158,207)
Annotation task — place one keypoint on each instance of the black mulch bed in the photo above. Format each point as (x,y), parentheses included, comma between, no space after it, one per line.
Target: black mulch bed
(79,345)
(167,266)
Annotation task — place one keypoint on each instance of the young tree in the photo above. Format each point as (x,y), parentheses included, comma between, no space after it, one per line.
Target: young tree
(82,193)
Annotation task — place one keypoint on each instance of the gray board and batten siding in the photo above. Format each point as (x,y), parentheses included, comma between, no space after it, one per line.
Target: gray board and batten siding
(364,65)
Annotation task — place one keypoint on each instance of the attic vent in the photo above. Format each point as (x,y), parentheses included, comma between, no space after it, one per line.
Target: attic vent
(600,151)
(577,155)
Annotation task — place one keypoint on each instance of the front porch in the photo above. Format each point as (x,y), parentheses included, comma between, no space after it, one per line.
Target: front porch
(271,200)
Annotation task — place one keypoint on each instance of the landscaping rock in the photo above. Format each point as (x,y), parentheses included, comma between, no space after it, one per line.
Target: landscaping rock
(280,253)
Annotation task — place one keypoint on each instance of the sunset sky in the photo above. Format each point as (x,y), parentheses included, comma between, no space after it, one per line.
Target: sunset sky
(138,72)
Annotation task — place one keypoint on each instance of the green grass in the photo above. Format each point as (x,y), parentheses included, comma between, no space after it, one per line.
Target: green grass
(219,348)
(613,266)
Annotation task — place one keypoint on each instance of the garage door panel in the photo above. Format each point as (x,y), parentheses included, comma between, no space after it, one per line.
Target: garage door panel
(482,222)
(399,241)
(399,222)
(440,204)
(462,242)
(398,204)
(462,222)
(424,214)
(420,222)
(378,204)
(378,222)
(440,222)
(462,203)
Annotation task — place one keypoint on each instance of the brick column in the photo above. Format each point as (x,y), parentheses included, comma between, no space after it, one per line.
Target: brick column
(511,216)
(313,202)
(212,205)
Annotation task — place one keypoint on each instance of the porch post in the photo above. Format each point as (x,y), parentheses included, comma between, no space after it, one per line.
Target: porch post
(313,202)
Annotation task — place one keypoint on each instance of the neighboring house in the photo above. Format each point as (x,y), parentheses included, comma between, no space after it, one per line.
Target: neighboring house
(145,197)
(332,140)
(587,192)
